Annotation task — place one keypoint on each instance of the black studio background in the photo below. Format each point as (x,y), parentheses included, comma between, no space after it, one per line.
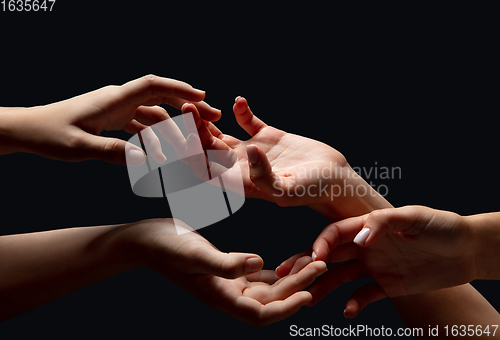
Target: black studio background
(388,87)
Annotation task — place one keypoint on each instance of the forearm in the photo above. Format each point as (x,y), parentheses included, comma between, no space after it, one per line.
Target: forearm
(456,306)
(461,305)
(486,231)
(11,124)
(350,196)
(40,267)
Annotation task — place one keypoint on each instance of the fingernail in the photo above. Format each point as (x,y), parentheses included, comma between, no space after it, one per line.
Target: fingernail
(253,156)
(253,264)
(236,99)
(345,316)
(162,159)
(362,236)
(135,157)
(313,256)
(198,90)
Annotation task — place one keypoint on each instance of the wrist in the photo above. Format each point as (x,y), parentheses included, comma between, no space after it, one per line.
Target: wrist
(127,245)
(349,196)
(485,231)
(12,126)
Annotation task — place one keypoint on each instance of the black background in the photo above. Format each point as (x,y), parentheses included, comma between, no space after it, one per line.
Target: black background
(408,87)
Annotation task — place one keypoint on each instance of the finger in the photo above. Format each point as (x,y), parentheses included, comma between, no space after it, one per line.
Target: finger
(336,234)
(172,134)
(206,111)
(361,297)
(261,172)
(197,125)
(110,150)
(260,315)
(300,263)
(286,266)
(214,130)
(410,220)
(299,281)
(278,310)
(153,90)
(153,145)
(134,127)
(150,115)
(228,265)
(245,117)
(334,277)
(266,276)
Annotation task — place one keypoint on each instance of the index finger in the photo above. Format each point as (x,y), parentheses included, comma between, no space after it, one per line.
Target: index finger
(336,234)
(143,89)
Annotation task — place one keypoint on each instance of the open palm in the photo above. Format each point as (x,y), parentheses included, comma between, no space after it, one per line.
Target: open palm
(281,167)
(217,278)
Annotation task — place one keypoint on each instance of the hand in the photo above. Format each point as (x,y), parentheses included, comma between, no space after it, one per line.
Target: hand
(69,130)
(405,250)
(217,278)
(277,166)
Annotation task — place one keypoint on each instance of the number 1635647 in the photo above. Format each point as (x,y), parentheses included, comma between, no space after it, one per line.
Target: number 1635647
(27,5)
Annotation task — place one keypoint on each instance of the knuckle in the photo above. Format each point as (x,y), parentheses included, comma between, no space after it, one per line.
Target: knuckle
(227,267)
(110,146)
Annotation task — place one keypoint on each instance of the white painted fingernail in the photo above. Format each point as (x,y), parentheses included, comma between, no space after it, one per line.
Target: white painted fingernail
(313,256)
(362,236)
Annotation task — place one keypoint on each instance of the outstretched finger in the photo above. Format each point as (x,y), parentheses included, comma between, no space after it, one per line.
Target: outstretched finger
(153,145)
(298,281)
(261,173)
(286,266)
(361,297)
(206,111)
(258,314)
(153,90)
(208,141)
(245,117)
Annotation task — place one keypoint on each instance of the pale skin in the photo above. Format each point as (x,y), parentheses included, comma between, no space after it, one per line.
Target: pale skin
(276,165)
(409,250)
(278,158)
(69,130)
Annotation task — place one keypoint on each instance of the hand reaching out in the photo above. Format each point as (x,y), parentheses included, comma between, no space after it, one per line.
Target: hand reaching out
(277,166)
(69,130)
(406,250)
(230,282)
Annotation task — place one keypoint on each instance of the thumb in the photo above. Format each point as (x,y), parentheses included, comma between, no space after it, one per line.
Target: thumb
(391,220)
(113,150)
(229,265)
(261,172)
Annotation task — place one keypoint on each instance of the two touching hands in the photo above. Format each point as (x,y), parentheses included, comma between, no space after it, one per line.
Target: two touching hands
(407,250)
